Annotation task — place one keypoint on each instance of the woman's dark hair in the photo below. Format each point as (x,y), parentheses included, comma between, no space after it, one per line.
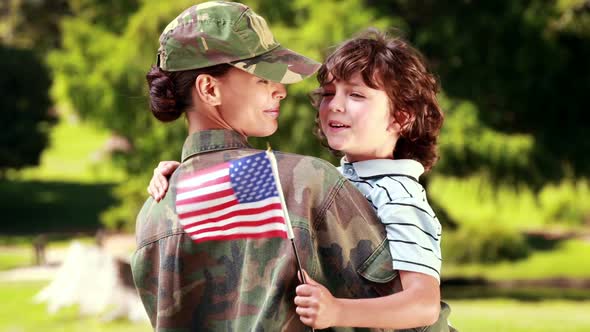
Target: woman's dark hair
(170,91)
(394,66)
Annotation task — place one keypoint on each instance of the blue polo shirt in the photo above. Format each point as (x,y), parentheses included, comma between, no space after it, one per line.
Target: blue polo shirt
(413,231)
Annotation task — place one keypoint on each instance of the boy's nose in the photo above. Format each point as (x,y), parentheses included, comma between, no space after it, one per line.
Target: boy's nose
(336,104)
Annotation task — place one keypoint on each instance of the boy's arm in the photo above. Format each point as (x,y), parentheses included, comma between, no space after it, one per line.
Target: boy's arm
(417,305)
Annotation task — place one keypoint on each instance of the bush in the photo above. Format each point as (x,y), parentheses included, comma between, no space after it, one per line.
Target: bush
(475,200)
(566,203)
(484,245)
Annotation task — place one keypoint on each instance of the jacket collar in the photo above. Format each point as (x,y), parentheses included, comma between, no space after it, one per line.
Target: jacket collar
(212,140)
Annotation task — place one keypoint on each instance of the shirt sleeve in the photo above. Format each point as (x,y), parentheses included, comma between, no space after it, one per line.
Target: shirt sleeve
(413,231)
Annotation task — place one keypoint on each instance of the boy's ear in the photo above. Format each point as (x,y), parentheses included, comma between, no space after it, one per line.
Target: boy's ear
(394,126)
(400,121)
(207,88)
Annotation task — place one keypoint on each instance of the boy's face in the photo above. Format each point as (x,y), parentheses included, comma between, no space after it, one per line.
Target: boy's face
(356,120)
(249,104)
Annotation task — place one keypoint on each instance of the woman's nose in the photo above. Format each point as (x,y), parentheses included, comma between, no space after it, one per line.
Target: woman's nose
(279,90)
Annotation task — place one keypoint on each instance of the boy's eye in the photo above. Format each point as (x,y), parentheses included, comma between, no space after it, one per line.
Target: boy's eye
(263,81)
(356,95)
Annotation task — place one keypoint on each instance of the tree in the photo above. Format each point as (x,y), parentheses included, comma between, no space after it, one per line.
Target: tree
(24,108)
(523,67)
(101,74)
(35,24)
(505,68)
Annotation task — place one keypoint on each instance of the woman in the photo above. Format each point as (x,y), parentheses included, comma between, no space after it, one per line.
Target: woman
(219,65)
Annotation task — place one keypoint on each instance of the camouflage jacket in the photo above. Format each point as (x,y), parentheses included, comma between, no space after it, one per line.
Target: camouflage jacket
(249,284)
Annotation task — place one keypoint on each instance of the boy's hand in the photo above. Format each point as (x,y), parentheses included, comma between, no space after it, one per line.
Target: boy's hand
(316,306)
(159,182)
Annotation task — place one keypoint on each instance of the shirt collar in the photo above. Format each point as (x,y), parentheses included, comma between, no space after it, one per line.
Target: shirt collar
(212,140)
(383,167)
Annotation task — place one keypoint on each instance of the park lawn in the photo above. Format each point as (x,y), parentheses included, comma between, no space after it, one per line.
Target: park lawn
(23,315)
(17,251)
(568,259)
(74,155)
(467,315)
(13,257)
(517,316)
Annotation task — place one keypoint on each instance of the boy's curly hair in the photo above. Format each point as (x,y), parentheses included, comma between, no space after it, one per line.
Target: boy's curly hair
(393,65)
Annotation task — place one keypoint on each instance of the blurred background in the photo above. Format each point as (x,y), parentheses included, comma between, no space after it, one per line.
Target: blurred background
(78,146)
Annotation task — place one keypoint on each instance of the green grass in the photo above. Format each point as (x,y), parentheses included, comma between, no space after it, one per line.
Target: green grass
(467,315)
(11,258)
(517,316)
(567,259)
(24,315)
(17,251)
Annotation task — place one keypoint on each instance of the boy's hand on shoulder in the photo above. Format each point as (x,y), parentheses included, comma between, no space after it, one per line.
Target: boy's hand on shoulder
(316,306)
(159,183)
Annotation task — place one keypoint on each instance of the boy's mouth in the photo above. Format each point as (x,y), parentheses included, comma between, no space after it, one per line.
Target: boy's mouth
(337,125)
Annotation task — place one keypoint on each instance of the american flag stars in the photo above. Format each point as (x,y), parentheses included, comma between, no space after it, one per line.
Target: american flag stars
(252,179)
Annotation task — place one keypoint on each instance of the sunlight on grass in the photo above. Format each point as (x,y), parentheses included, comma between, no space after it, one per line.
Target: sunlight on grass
(17,252)
(517,316)
(74,155)
(15,257)
(24,315)
(568,259)
(467,315)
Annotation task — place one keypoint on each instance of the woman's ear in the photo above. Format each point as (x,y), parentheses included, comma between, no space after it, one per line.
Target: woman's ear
(207,88)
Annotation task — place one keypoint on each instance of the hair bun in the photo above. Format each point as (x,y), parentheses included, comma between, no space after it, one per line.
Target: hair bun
(162,95)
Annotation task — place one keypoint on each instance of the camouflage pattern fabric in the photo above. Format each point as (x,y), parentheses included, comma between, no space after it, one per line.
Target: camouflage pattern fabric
(219,32)
(249,284)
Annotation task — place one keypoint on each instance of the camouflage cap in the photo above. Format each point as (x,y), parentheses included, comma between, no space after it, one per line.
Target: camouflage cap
(217,32)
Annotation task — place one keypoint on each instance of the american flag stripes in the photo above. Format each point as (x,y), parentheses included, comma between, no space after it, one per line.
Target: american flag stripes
(234,200)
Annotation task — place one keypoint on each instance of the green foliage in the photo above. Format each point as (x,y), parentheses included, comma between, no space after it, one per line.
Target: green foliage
(57,207)
(475,200)
(484,244)
(31,24)
(131,197)
(36,24)
(24,108)
(102,75)
(505,68)
(467,146)
(522,63)
(567,203)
